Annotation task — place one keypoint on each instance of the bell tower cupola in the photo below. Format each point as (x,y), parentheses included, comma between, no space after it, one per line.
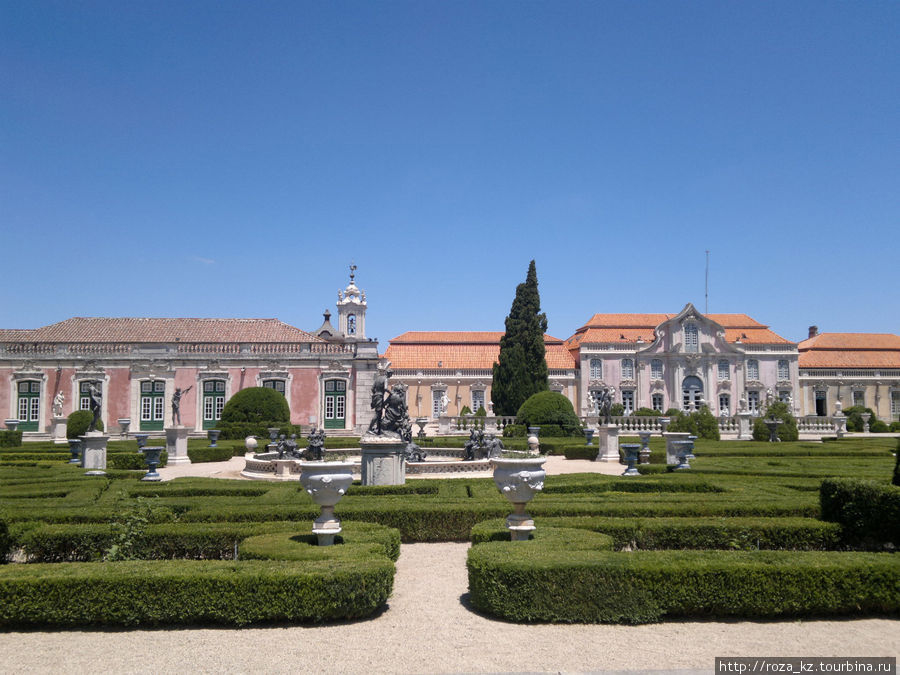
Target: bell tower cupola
(352,310)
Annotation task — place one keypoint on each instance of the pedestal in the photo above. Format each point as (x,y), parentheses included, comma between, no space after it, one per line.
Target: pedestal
(383,460)
(840,425)
(176,444)
(58,430)
(608,440)
(443,425)
(671,447)
(93,453)
(745,428)
(283,469)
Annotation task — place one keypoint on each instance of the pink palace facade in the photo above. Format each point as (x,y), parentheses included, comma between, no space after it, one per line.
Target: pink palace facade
(139,363)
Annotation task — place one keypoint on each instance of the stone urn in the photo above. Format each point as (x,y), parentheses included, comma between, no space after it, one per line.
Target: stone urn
(213,436)
(421,421)
(632,451)
(773,424)
(141,441)
(75,449)
(664,423)
(326,483)
(11,424)
(124,423)
(693,440)
(519,480)
(645,447)
(865,419)
(151,457)
(588,436)
(682,451)
(534,444)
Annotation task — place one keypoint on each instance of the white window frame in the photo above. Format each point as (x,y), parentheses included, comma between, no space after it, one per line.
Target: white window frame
(628,401)
(724,404)
(753,401)
(657,401)
(627,369)
(691,338)
(753,370)
(784,369)
(478,400)
(596,366)
(724,370)
(859,393)
(656,368)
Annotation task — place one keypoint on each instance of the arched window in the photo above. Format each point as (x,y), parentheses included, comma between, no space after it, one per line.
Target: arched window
(691,338)
(723,370)
(596,369)
(753,369)
(29,404)
(784,372)
(656,369)
(351,324)
(627,369)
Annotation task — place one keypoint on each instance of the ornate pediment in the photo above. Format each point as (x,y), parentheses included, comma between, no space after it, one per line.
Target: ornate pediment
(556,385)
(755,384)
(787,384)
(627,384)
(28,366)
(335,365)
(597,384)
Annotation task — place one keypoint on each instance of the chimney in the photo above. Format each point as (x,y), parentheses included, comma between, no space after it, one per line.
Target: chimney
(813,331)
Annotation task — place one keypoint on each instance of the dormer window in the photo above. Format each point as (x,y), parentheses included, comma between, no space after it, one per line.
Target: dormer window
(691,338)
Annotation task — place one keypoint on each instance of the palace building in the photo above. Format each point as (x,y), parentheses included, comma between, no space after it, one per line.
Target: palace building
(139,363)
(448,371)
(684,360)
(857,369)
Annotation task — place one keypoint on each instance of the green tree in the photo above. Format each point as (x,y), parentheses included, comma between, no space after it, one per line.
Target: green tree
(521,369)
(780,411)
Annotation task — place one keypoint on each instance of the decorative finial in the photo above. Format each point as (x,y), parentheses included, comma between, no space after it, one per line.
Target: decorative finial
(352,272)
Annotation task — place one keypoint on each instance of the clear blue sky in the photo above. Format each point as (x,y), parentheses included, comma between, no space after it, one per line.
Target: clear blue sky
(232,158)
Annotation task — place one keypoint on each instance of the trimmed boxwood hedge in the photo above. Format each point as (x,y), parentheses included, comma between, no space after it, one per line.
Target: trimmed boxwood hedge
(550,580)
(869,511)
(10,439)
(345,583)
(196,541)
(795,534)
(217,454)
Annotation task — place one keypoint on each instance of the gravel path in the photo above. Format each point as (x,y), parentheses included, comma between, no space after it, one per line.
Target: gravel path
(428,628)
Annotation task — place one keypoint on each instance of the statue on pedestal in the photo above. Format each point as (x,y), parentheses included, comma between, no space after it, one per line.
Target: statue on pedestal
(605,402)
(176,404)
(96,403)
(315,448)
(58,401)
(379,388)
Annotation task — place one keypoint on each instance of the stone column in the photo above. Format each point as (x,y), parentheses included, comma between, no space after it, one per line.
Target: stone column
(176,444)
(283,469)
(608,440)
(93,453)
(58,430)
(444,425)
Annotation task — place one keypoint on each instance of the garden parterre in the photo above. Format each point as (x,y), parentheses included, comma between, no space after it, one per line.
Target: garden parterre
(728,501)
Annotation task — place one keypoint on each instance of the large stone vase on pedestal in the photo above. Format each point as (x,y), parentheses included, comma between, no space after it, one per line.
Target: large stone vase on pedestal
(93,453)
(58,430)
(176,444)
(383,459)
(326,483)
(672,438)
(519,480)
(151,458)
(608,440)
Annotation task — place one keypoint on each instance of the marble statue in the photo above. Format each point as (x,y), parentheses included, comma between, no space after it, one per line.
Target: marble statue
(58,401)
(605,403)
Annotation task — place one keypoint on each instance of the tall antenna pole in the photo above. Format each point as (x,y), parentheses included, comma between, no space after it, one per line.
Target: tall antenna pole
(706,292)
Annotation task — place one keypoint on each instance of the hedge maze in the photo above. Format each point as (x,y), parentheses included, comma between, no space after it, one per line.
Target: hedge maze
(804,529)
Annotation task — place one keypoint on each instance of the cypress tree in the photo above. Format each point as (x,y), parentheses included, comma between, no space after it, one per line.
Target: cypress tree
(521,369)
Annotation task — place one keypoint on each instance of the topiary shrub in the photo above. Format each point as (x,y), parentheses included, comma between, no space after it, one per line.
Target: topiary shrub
(894,427)
(854,417)
(549,407)
(251,411)
(879,427)
(466,410)
(869,511)
(515,431)
(77,423)
(481,412)
(780,411)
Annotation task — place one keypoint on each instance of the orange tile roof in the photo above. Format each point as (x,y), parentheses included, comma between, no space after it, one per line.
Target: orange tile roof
(631,327)
(850,350)
(474,350)
(142,330)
